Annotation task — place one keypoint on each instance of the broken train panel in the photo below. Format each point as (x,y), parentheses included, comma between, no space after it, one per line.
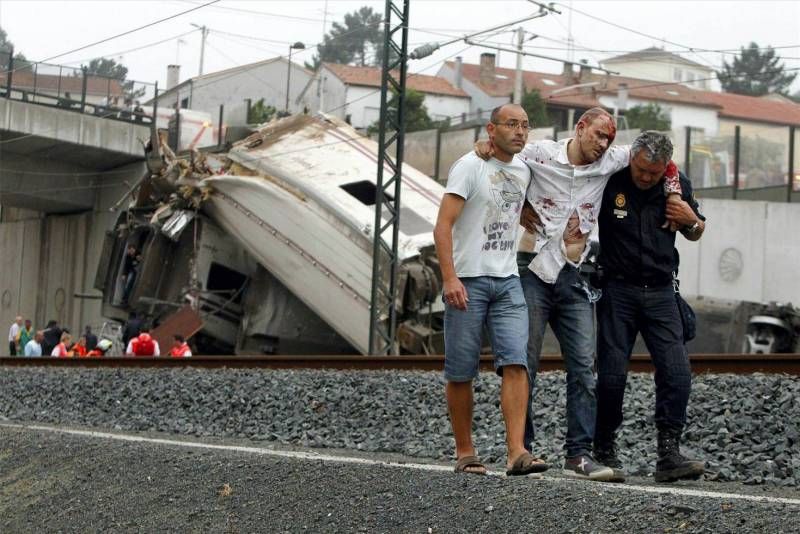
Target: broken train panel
(273,240)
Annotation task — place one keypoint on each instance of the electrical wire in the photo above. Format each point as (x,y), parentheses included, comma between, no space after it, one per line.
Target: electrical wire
(116,54)
(148,25)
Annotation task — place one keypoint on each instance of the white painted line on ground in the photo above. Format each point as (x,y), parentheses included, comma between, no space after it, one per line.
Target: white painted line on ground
(304,455)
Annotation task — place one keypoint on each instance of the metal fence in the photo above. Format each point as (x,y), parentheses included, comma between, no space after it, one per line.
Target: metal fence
(745,161)
(74,89)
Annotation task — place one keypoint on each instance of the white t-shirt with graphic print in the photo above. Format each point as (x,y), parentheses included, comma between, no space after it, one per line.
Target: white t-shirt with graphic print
(485,234)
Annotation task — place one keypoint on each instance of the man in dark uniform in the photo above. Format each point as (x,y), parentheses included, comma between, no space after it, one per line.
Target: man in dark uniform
(638,259)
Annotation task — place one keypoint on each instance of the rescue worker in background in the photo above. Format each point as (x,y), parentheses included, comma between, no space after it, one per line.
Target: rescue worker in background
(130,270)
(91,339)
(25,335)
(61,350)
(103,346)
(52,337)
(13,336)
(640,264)
(132,328)
(79,349)
(180,349)
(143,345)
(34,347)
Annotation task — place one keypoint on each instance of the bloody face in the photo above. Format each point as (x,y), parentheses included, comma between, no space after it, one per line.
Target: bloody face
(646,173)
(595,138)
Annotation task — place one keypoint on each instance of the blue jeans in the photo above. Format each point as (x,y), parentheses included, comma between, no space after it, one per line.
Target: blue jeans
(566,307)
(624,311)
(498,304)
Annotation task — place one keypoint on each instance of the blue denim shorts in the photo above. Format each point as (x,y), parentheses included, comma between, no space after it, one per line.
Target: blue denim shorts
(497,303)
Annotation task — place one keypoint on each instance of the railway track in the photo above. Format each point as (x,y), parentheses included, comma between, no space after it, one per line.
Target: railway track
(701,363)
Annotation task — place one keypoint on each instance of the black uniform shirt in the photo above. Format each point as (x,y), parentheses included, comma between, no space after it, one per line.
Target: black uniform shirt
(633,246)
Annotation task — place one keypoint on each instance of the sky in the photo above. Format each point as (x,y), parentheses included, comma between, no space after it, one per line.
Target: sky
(246,31)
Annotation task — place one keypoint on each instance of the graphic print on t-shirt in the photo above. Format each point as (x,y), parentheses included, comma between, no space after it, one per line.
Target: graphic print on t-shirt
(502,217)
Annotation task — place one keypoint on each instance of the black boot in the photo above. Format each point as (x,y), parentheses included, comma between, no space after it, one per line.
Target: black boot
(671,464)
(605,452)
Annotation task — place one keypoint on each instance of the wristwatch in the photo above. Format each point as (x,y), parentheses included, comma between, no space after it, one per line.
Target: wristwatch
(693,228)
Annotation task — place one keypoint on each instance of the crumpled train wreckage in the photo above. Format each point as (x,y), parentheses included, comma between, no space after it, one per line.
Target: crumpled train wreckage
(268,245)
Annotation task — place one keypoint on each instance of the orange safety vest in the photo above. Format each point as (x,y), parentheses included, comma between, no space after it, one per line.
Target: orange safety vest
(144,345)
(179,352)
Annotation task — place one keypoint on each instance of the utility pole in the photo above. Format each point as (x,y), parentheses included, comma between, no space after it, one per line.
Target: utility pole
(518,78)
(204,33)
(202,49)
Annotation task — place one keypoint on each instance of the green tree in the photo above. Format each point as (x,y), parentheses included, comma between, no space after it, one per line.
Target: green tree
(358,41)
(534,106)
(416,113)
(648,117)
(755,71)
(260,113)
(108,68)
(6,46)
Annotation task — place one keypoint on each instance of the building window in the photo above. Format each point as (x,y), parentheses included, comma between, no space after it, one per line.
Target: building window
(185,103)
(677,75)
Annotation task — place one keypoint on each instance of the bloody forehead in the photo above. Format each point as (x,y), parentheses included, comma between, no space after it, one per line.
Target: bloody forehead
(606,123)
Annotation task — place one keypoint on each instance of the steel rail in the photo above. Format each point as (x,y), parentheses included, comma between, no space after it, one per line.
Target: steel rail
(701,363)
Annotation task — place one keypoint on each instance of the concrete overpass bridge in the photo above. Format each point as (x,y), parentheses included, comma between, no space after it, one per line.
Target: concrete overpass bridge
(55,160)
(60,172)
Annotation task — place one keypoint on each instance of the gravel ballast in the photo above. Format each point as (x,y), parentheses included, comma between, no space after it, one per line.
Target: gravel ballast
(51,482)
(745,426)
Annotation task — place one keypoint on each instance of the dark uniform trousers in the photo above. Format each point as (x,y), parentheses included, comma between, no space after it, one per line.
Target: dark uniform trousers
(624,310)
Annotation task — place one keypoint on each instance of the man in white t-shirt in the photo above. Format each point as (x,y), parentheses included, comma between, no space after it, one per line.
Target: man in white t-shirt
(476,238)
(13,336)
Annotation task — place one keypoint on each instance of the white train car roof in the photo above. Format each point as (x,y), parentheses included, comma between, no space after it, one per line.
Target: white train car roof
(329,161)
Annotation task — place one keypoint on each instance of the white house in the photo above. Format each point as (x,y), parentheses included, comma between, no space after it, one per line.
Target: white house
(234,87)
(353,94)
(662,66)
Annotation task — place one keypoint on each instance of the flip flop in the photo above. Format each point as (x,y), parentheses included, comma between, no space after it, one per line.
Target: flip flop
(469,461)
(525,464)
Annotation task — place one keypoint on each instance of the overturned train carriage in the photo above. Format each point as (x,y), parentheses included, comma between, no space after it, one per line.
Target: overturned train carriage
(271,242)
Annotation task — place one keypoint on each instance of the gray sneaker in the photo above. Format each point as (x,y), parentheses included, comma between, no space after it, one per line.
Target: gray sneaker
(585,467)
(606,454)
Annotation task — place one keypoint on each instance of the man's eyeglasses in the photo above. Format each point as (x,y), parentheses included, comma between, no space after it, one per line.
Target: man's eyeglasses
(513,125)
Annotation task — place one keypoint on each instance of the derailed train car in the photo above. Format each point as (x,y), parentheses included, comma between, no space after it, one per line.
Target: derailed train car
(271,243)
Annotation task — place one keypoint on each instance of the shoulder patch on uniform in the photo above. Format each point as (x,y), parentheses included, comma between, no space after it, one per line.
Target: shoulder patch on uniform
(619,200)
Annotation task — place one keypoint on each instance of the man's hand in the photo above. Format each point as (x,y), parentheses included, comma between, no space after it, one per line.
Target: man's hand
(455,294)
(681,213)
(529,219)
(484,149)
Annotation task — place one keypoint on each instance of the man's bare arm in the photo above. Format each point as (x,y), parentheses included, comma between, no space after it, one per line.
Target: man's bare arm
(528,218)
(455,294)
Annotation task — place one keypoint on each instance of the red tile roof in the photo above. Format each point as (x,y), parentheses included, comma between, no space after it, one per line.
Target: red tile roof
(756,109)
(726,104)
(371,77)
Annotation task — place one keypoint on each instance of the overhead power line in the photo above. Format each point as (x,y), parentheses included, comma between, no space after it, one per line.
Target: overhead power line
(148,25)
(130,50)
